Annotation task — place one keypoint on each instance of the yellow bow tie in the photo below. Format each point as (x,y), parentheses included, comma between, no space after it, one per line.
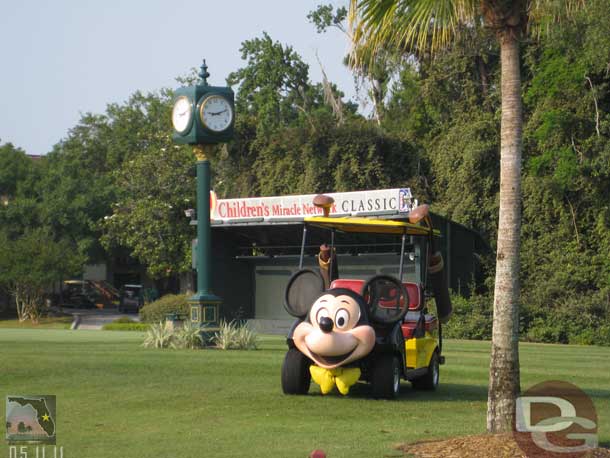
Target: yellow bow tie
(343,377)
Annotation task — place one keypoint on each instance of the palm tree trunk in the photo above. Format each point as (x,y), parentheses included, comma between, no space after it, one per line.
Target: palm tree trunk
(504,384)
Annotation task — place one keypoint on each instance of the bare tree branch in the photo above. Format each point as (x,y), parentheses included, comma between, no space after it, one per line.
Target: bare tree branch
(329,97)
(574,220)
(596,107)
(576,150)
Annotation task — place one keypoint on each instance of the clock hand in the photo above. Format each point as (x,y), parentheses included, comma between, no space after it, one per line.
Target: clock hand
(217,112)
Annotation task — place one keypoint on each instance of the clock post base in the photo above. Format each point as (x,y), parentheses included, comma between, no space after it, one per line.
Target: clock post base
(204,313)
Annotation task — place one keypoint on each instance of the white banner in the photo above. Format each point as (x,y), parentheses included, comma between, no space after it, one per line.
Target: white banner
(377,202)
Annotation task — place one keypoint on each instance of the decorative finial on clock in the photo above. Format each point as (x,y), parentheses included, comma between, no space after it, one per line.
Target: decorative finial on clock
(203,74)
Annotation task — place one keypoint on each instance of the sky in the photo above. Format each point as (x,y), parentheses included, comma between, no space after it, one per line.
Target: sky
(60,59)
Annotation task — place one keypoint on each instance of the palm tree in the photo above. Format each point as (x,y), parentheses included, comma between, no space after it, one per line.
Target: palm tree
(424,27)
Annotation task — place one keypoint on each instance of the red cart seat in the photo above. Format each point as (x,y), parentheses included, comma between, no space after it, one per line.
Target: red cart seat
(413,290)
(354,285)
(410,323)
(411,318)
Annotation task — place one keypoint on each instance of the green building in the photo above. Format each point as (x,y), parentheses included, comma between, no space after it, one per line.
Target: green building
(256,244)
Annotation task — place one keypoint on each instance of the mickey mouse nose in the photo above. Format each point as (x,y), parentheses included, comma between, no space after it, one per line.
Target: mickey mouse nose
(326,324)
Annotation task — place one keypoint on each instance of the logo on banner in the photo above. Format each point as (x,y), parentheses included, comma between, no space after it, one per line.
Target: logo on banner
(405,200)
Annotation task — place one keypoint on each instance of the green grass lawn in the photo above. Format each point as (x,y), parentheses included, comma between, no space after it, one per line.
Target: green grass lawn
(55,322)
(115,398)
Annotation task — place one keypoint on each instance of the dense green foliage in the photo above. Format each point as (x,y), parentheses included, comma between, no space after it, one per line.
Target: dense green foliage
(566,219)
(117,177)
(158,310)
(18,191)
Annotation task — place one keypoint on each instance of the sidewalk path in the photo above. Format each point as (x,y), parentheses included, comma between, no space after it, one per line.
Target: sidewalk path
(95,318)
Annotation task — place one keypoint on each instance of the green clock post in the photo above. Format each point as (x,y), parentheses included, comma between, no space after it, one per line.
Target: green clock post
(203,116)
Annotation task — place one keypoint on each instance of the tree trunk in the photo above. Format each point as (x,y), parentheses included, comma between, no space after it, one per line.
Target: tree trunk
(377,97)
(483,75)
(19,305)
(504,384)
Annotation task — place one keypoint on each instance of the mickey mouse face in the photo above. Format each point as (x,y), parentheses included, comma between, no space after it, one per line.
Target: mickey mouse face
(340,313)
(334,334)
(335,329)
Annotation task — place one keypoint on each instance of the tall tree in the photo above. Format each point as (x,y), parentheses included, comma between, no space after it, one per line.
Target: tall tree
(153,182)
(156,187)
(19,187)
(31,263)
(425,27)
(273,85)
(15,171)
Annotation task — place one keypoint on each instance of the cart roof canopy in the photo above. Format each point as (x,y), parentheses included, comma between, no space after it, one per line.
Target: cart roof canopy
(369,225)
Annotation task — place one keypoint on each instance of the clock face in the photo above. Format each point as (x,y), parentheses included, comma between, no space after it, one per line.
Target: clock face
(182,114)
(216,113)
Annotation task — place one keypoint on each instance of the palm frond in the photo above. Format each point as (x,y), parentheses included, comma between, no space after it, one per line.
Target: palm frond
(543,14)
(418,26)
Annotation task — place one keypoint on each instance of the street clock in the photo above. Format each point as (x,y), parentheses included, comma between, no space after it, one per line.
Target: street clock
(182,114)
(203,114)
(216,113)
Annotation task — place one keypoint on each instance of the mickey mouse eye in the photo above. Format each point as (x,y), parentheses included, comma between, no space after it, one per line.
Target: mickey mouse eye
(341,318)
(321,314)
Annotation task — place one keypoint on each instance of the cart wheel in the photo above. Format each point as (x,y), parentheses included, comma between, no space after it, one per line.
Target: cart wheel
(385,377)
(295,372)
(430,380)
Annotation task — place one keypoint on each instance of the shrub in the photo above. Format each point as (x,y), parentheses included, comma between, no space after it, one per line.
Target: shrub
(246,338)
(471,318)
(124,319)
(187,336)
(572,319)
(226,336)
(133,326)
(158,310)
(159,335)
(233,336)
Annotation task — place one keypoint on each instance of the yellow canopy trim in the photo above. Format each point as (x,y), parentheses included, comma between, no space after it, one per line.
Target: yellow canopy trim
(369,225)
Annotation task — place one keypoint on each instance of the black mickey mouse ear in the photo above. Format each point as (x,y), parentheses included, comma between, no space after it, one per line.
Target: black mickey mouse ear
(387,299)
(303,289)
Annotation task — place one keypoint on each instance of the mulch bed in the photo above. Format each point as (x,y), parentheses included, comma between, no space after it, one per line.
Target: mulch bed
(483,446)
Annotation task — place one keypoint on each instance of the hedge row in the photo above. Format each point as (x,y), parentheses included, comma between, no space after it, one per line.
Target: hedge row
(143,327)
(158,310)
(583,320)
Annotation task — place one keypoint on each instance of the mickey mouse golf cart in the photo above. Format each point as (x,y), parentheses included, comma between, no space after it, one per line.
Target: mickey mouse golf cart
(379,330)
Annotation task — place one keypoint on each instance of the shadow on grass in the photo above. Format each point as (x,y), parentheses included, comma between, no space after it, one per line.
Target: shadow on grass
(597,393)
(445,392)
